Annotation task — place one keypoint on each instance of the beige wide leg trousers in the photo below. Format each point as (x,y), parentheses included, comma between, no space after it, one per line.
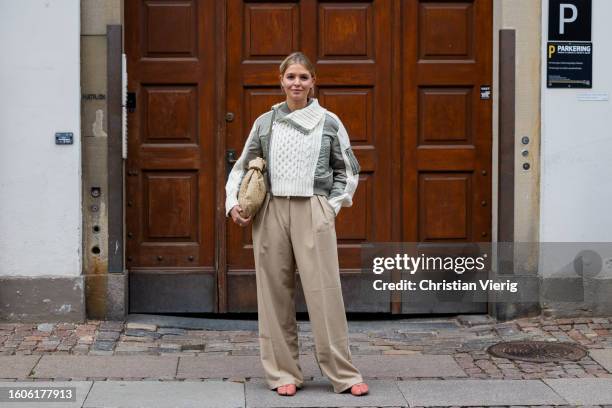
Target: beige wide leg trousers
(286,232)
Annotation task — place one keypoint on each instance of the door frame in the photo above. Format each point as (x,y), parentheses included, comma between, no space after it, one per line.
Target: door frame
(396,166)
(221,140)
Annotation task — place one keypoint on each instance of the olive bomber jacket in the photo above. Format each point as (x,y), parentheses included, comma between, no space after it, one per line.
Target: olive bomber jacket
(334,168)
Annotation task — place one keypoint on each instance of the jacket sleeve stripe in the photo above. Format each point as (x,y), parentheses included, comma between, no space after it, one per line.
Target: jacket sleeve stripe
(351,167)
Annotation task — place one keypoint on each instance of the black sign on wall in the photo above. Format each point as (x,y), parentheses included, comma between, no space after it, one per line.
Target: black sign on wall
(569,65)
(569,20)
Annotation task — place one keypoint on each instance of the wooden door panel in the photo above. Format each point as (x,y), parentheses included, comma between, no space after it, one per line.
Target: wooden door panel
(444,206)
(445,116)
(170,114)
(168,29)
(446,30)
(446,155)
(347,42)
(270,30)
(346,30)
(171,207)
(170,167)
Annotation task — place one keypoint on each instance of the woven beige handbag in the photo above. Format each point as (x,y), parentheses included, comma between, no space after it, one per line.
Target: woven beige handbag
(253,188)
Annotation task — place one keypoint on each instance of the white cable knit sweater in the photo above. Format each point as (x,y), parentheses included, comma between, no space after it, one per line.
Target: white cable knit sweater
(293,155)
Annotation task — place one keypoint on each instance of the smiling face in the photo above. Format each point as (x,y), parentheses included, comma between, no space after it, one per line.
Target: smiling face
(297,82)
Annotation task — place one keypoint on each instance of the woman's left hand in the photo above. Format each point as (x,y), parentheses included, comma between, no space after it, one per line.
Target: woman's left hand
(237,217)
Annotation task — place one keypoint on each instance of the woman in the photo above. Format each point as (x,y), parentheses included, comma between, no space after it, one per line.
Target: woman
(311,173)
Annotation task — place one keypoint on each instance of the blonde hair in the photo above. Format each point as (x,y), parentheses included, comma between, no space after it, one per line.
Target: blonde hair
(297,58)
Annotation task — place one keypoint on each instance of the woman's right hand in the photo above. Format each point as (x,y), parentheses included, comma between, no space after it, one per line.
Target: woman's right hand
(236,212)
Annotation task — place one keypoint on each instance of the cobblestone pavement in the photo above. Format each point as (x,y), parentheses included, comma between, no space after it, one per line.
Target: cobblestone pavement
(465,338)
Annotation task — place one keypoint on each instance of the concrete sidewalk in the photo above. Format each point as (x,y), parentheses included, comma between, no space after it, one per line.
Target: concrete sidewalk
(236,381)
(318,393)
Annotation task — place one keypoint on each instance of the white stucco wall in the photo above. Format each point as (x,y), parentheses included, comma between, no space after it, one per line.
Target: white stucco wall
(576,173)
(40,183)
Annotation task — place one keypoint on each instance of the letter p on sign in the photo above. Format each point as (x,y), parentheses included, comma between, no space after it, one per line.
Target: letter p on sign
(569,20)
(563,19)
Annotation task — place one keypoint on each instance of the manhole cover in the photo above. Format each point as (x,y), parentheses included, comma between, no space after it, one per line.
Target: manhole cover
(537,351)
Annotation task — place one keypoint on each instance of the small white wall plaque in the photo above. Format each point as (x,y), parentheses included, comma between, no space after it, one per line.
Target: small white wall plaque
(593,96)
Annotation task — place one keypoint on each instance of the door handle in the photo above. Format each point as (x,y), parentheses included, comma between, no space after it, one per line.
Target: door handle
(230,156)
(131,102)
(230,159)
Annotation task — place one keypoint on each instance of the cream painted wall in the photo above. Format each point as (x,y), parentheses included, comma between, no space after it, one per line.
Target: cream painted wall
(524,17)
(576,184)
(40,183)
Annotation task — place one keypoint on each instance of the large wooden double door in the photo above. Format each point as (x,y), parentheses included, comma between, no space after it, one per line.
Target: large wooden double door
(404,77)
